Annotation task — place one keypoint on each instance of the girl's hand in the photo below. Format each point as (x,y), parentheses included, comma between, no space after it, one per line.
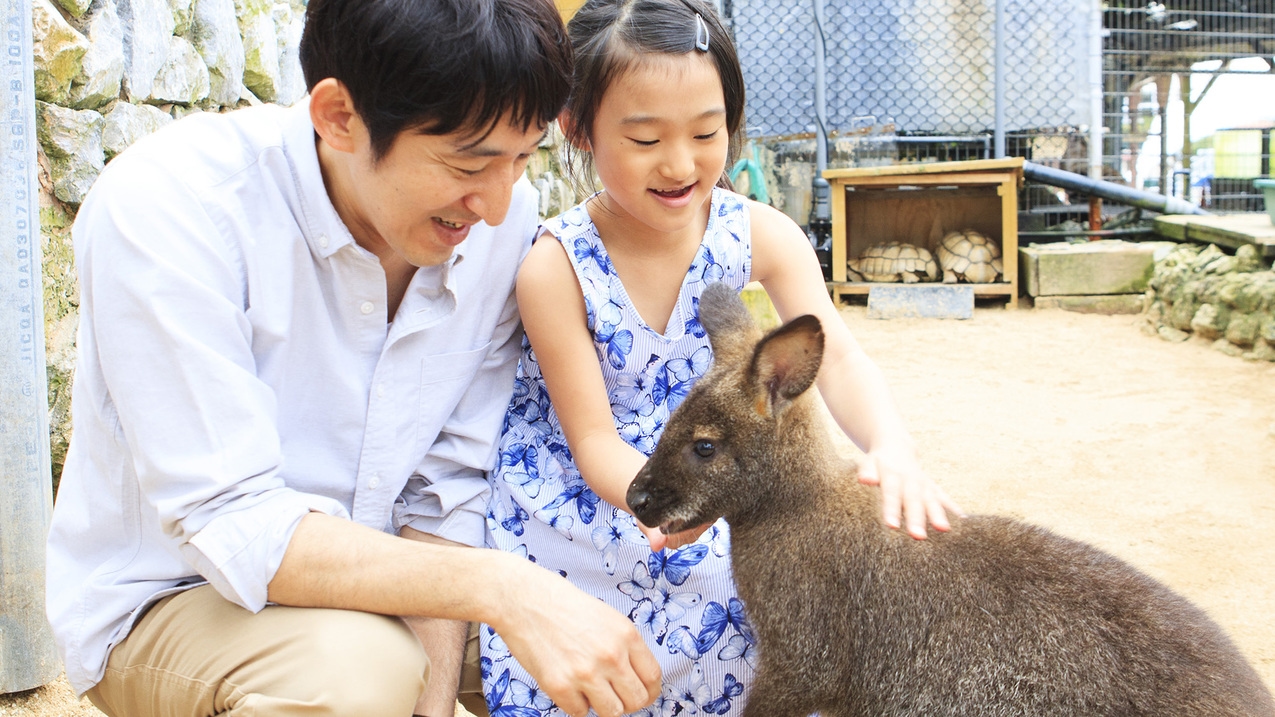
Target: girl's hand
(659,540)
(904,485)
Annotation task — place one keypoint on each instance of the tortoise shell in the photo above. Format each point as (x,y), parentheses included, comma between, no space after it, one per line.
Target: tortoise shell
(970,256)
(894,261)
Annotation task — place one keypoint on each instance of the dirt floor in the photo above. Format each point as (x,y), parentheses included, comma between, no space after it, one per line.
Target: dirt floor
(1163,454)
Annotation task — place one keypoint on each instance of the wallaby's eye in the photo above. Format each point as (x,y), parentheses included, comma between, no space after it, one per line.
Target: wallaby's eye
(704,449)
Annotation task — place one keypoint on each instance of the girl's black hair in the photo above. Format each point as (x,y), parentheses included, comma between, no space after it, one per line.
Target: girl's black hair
(440,66)
(610,36)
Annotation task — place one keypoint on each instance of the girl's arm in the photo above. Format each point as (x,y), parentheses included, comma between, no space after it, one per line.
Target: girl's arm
(553,314)
(850,383)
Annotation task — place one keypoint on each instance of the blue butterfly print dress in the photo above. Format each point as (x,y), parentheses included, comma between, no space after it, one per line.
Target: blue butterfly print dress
(683,601)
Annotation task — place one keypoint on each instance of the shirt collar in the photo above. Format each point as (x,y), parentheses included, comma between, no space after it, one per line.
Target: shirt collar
(324,231)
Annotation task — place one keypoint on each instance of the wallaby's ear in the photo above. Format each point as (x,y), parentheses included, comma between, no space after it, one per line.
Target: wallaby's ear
(785,363)
(723,315)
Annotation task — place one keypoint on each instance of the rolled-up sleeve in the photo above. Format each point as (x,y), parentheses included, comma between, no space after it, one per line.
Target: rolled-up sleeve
(447,495)
(177,361)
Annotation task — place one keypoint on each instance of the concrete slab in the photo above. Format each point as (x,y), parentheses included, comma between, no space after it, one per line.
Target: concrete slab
(1228,230)
(1087,268)
(1105,304)
(924,301)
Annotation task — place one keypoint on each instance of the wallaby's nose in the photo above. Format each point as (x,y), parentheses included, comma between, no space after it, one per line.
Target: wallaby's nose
(638,499)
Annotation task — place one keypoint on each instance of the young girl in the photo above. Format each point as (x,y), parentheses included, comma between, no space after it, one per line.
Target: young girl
(609,297)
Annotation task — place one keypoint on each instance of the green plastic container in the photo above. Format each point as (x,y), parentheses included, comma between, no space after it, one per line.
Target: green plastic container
(1268,191)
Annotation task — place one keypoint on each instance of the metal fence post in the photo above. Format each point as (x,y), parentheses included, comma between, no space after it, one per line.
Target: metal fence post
(27,655)
(1095,89)
(998,92)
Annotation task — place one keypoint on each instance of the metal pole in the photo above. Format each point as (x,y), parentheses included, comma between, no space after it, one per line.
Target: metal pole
(27,655)
(999,92)
(1108,190)
(821,103)
(1095,89)
(820,223)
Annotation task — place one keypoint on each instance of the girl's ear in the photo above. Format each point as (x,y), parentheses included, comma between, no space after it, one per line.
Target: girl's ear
(577,138)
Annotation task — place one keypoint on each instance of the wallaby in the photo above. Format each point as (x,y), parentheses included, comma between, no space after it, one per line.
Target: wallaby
(995,617)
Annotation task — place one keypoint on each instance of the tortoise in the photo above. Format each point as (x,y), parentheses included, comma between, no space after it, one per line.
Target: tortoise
(970,256)
(894,261)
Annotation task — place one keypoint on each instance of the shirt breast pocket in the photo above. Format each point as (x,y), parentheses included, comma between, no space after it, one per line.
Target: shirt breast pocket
(444,380)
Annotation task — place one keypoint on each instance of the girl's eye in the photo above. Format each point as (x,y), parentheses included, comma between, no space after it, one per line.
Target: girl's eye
(704,449)
(644,143)
(710,135)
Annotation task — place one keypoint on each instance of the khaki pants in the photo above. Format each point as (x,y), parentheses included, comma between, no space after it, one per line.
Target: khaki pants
(196,654)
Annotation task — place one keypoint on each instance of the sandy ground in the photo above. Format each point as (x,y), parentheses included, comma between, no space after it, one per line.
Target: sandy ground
(1163,454)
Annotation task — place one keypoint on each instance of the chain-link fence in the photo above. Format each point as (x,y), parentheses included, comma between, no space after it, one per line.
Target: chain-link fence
(1164,62)
(915,81)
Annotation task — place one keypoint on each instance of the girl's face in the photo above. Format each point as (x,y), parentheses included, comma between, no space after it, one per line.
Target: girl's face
(659,141)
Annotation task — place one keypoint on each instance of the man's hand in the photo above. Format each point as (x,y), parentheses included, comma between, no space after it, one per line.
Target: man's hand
(583,654)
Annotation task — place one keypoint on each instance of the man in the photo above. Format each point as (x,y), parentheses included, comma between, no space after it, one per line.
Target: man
(297,344)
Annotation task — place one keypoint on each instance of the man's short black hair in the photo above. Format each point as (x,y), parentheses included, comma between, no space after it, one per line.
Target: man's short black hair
(440,66)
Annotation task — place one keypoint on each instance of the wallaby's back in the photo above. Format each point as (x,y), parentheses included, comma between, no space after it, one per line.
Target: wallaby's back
(995,617)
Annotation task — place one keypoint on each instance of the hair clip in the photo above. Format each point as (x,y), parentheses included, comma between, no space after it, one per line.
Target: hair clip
(701,33)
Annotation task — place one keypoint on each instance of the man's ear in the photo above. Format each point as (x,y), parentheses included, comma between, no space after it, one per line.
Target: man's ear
(570,130)
(333,115)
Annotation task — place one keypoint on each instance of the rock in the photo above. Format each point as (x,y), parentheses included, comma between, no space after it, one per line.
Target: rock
(1263,350)
(1169,333)
(148,26)
(1210,321)
(1154,310)
(183,15)
(72,140)
(1248,259)
(59,50)
(1267,331)
(102,69)
(75,8)
(1212,260)
(184,77)
(1180,314)
(214,32)
(180,111)
(126,123)
(1243,329)
(261,48)
(289,24)
(1227,348)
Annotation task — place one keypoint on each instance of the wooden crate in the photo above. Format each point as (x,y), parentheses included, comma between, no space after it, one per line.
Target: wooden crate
(918,204)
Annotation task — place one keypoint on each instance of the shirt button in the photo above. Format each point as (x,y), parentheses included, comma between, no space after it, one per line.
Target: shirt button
(375,481)
(323,240)
(366,307)
(380,392)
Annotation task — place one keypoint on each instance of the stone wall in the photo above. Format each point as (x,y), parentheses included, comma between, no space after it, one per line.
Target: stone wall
(108,72)
(1204,292)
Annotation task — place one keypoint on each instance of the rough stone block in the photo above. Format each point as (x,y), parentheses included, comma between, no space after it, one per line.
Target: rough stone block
(925,301)
(1100,267)
(1098,304)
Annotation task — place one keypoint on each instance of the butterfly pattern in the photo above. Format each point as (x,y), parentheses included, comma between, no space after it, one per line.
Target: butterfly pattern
(683,601)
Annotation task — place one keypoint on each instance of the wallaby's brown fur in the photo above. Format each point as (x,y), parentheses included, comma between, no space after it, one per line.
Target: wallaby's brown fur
(992,618)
